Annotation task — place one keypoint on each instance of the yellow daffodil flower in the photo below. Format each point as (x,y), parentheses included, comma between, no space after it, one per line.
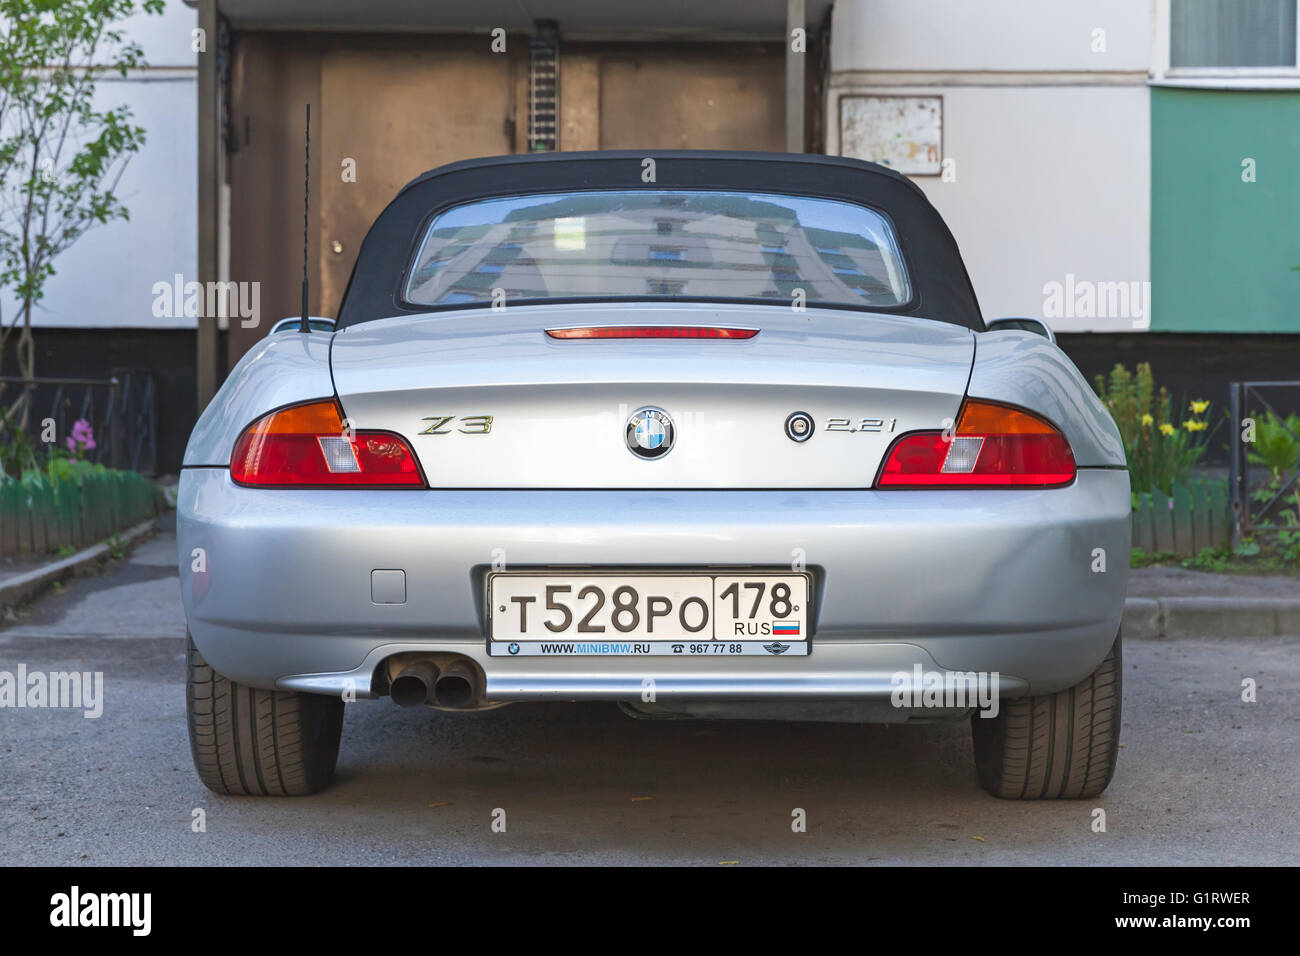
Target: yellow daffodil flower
(1147,420)
(1167,429)
(1199,407)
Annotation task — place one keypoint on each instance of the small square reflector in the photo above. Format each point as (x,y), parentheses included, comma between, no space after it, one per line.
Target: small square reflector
(963,453)
(340,458)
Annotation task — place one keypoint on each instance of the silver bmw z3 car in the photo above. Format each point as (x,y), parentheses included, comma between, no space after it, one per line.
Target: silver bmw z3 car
(709,435)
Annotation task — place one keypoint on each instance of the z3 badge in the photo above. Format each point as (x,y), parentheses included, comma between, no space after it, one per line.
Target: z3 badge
(467,425)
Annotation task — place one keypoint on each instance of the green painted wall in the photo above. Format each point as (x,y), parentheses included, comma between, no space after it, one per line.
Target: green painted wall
(1225,254)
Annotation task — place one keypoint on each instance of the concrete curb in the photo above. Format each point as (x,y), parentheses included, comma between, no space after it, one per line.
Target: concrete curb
(1158,618)
(23,587)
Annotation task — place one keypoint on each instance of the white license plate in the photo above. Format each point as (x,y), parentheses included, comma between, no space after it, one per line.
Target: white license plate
(541,614)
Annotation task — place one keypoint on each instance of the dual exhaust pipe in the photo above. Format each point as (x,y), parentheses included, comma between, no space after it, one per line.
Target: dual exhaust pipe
(423,682)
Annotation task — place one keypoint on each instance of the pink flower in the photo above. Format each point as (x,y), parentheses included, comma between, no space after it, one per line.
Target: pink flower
(82,438)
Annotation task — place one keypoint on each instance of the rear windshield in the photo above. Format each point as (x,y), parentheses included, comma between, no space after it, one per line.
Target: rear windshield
(645,244)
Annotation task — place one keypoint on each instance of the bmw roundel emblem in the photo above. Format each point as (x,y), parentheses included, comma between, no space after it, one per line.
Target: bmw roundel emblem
(650,432)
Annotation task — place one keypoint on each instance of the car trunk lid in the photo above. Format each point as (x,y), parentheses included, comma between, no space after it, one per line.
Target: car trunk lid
(489,400)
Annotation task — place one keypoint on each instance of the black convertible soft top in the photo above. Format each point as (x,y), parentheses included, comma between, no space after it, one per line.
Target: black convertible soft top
(942,289)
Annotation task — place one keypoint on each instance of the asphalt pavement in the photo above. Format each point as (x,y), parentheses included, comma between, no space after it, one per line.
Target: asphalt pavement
(1203,777)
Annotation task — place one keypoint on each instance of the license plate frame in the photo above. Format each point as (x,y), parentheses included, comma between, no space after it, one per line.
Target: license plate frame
(523,641)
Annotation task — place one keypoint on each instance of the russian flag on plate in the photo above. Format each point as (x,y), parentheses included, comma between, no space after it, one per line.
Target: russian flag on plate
(786,629)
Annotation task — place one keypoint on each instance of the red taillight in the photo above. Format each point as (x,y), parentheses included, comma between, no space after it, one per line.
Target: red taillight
(993,446)
(306,445)
(652,332)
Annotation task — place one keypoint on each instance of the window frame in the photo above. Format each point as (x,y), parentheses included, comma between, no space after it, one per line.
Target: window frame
(1214,77)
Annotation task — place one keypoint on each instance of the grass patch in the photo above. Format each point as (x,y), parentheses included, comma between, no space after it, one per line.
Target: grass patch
(1267,553)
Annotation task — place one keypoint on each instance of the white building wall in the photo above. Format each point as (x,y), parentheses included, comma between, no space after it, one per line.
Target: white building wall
(105,279)
(990,34)
(1048,142)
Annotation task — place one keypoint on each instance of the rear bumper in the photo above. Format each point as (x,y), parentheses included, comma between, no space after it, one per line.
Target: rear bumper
(959,581)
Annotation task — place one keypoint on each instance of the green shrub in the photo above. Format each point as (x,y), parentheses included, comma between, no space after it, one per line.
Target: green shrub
(1288,545)
(1210,559)
(17,451)
(1276,446)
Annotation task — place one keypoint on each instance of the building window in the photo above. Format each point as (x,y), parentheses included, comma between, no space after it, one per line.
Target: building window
(1232,33)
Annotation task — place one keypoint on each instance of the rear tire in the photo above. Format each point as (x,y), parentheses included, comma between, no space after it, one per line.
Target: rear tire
(1054,746)
(251,742)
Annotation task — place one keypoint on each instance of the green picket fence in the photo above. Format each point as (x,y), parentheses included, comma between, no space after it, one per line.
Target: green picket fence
(38,516)
(1196,515)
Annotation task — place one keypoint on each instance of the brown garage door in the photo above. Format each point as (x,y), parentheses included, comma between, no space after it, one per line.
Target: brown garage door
(384,110)
(672,96)
(397,115)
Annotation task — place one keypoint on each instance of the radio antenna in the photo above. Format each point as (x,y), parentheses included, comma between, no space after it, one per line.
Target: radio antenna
(304,325)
